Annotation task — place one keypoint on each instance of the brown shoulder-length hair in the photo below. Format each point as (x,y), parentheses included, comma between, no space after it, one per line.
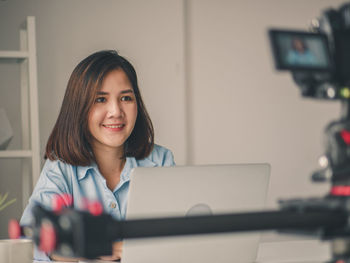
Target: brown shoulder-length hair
(70,138)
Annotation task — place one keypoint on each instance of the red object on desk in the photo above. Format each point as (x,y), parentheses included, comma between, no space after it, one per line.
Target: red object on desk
(340,190)
(14,229)
(60,201)
(47,238)
(346,136)
(95,208)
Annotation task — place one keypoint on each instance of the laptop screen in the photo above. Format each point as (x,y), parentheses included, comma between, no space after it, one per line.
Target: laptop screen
(195,190)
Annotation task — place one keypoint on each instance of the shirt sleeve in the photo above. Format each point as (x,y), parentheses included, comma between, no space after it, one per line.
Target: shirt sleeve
(161,156)
(168,158)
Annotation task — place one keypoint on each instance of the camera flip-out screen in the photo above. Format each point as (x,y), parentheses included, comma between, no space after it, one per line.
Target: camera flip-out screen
(298,50)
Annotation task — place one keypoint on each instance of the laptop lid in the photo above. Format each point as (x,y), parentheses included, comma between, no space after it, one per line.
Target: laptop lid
(194,190)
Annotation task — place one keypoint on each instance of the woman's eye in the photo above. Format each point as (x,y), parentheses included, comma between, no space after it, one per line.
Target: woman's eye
(126,98)
(100,99)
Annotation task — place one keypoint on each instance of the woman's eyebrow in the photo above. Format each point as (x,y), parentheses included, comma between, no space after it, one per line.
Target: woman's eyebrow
(127,91)
(102,93)
(122,92)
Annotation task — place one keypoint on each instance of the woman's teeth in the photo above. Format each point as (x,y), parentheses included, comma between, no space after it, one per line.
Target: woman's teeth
(114,126)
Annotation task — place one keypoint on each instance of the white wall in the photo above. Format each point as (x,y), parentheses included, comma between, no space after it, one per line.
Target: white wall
(205,71)
(148,33)
(242,110)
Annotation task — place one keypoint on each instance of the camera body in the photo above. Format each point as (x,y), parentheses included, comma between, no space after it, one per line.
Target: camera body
(319,60)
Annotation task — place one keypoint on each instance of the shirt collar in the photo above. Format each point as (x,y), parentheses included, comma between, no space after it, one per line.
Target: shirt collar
(129,165)
(132,163)
(83,170)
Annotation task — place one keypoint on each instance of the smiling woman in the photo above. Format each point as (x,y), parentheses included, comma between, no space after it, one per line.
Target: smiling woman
(103,131)
(87,87)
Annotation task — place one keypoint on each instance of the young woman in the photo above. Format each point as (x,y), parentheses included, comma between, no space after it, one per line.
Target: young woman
(103,131)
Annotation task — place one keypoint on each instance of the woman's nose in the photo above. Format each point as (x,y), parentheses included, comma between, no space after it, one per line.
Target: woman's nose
(114,109)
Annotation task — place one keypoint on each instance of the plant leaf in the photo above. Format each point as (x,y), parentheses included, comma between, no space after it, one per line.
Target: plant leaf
(3,199)
(7,204)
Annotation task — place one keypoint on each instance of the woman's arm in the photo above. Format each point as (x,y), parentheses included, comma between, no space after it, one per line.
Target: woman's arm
(55,257)
(117,254)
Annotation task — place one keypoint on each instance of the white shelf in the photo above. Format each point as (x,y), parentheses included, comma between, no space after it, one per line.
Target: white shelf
(26,58)
(16,154)
(13,54)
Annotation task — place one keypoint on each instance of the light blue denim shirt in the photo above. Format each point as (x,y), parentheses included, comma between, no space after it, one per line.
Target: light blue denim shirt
(82,182)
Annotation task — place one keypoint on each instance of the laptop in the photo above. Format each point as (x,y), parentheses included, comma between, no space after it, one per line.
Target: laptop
(195,190)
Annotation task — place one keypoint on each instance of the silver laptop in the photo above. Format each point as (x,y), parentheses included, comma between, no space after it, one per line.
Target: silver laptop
(195,190)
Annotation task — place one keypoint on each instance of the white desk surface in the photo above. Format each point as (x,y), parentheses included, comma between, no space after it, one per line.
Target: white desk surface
(292,251)
(86,261)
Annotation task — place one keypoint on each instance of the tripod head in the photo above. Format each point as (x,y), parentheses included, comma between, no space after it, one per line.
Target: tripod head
(335,162)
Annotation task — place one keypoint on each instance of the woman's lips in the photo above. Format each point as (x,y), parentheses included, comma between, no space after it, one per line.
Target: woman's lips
(114,127)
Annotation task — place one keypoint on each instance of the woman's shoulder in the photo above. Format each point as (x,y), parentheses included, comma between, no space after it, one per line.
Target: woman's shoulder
(62,174)
(56,165)
(60,168)
(161,156)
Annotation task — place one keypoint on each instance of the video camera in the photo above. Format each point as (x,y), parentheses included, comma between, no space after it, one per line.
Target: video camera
(320,65)
(319,60)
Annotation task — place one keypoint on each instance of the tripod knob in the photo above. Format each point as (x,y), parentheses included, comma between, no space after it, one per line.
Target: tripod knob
(48,237)
(325,174)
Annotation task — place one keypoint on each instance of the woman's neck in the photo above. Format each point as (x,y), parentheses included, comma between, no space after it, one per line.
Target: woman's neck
(110,162)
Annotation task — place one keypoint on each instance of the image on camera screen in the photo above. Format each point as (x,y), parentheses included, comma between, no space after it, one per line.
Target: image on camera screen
(297,50)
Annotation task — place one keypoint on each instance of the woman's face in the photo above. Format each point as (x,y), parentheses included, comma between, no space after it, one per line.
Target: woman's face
(112,117)
(298,45)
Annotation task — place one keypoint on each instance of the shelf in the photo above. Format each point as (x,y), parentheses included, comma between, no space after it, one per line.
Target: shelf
(16,154)
(13,55)
(26,57)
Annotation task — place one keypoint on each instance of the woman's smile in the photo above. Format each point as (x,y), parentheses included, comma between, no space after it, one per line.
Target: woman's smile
(114,127)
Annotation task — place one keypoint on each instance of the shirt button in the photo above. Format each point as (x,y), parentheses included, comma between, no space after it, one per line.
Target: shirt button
(113,205)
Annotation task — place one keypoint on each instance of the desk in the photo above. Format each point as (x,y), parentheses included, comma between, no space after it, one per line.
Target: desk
(296,251)
(92,261)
